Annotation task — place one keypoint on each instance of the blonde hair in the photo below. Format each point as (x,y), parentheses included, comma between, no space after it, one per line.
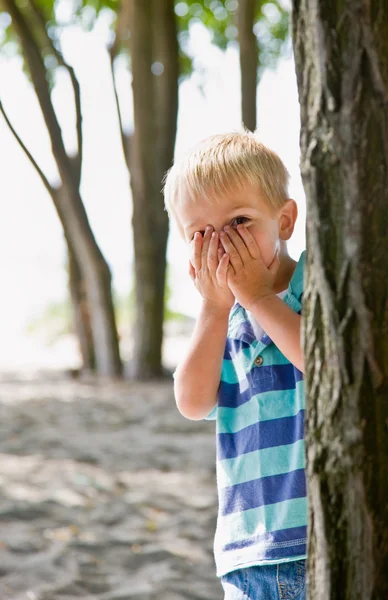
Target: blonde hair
(219,164)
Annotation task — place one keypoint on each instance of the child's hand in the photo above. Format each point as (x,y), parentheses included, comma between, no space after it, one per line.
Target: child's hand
(248,277)
(208,269)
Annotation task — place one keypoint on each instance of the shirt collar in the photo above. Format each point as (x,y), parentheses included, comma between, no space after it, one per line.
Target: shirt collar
(239,325)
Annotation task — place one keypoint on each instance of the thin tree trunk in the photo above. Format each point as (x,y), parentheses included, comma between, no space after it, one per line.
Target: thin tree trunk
(341,52)
(96,275)
(249,61)
(154,47)
(81,314)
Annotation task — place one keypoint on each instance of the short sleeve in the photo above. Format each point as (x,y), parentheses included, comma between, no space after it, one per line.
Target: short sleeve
(213,415)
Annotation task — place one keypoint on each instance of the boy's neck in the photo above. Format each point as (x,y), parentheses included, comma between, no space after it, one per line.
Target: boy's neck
(285,271)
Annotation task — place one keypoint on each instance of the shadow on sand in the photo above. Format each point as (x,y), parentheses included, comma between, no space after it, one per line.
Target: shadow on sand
(107,493)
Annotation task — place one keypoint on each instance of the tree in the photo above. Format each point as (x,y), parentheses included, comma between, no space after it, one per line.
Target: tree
(341,52)
(90,278)
(261,29)
(149,151)
(249,61)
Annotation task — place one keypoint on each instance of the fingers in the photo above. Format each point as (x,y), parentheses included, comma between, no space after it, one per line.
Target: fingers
(212,255)
(249,241)
(230,248)
(197,251)
(205,245)
(238,242)
(222,270)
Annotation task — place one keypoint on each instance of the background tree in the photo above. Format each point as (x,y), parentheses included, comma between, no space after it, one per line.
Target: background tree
(260,29)
(149,151)
(249,61)
(341,54)
(90,278)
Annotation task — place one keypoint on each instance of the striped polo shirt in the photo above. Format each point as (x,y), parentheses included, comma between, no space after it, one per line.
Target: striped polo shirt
(262,516)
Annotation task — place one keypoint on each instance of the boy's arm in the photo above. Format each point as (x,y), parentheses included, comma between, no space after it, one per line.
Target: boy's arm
(282,325)
(198,376)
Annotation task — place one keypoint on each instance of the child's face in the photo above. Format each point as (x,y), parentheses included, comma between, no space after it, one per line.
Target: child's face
(243,206)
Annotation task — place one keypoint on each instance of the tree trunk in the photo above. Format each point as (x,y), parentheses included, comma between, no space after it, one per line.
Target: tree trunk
(81,314)
(95,274)
(248,61)
(154,59)
(341,51)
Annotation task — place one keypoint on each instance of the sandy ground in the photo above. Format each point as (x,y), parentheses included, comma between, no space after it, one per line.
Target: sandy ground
(107,493)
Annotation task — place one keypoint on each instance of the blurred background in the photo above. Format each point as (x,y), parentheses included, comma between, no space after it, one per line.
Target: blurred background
(107,493)
(38,328)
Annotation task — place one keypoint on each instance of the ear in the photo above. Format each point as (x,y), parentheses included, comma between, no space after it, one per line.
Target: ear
(287,218)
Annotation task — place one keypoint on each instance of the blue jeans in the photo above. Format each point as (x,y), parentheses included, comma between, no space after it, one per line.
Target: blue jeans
(284,581)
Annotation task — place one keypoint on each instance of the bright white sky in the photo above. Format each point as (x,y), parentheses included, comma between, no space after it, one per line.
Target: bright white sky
(31,241)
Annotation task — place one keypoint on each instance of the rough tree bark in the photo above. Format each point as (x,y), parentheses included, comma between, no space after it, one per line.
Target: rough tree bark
(341,51)
(90,273)
(249,61)
(155,70)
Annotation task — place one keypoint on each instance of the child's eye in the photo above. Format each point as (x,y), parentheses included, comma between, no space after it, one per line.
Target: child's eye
(239,221)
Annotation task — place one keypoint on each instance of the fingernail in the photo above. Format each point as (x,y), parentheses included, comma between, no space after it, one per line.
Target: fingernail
(226,228)
(208,227)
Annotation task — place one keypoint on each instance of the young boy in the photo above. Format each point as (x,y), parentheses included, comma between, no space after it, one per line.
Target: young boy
(244,363)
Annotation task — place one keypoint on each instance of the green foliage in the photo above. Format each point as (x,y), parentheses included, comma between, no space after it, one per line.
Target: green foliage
(218,16)
(7,42)
(272,32)
(56,15)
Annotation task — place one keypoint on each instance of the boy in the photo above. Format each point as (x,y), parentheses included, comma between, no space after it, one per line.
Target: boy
(244,363)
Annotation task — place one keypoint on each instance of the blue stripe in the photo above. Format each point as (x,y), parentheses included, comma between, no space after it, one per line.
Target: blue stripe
(266,340)
(245,332)
(280,538)
(262,463)
(261,407)
(231,395)
(260,379)
(264,491)
(264,434)
(232,347)
(286,552)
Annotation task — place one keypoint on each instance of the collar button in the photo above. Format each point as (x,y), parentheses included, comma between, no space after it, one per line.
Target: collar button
(258,361)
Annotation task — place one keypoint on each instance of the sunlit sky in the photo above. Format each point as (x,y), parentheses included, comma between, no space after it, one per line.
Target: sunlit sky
(31,241)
